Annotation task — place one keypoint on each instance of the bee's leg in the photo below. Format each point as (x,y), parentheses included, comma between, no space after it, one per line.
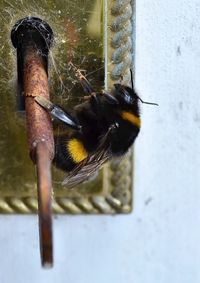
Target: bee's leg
(82,79)
(57,112)
(88,88)
(85,83)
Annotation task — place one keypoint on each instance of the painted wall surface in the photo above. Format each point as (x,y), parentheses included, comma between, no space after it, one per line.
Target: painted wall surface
(159,242)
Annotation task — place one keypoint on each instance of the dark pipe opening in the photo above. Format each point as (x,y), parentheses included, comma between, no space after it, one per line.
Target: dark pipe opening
(30,31)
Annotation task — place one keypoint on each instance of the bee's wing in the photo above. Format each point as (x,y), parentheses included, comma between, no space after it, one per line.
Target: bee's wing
(89,166)
(85,170)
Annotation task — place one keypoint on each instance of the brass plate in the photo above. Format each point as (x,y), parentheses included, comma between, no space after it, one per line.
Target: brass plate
(97,36)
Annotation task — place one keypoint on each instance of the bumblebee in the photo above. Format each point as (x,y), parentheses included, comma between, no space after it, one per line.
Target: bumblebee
(104,126)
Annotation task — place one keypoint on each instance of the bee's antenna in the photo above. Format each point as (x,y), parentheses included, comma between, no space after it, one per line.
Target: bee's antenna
(145,102)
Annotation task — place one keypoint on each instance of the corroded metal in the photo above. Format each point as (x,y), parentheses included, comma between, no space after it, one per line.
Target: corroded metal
(64,205)
(121,48)
(43,165)
(28,37)
(121,51)
(39,126)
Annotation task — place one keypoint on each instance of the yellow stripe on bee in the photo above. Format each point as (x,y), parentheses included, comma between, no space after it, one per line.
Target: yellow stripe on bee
(135,120)
(76,150)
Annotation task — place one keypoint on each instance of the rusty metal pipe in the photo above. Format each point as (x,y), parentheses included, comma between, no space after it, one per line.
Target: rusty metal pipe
(32,38)
(44,197)
(39,126)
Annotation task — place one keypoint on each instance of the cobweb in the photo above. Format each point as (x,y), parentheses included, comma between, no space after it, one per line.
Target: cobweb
(76,39)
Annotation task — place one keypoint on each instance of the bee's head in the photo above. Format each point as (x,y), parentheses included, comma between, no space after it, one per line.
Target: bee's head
(125,94)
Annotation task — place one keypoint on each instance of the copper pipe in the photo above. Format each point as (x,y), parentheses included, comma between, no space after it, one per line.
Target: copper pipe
(44,197)
(32,38)
(41,145)
(39,126)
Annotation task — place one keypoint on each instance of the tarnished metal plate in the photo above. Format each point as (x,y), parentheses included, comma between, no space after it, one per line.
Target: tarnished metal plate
(97,37)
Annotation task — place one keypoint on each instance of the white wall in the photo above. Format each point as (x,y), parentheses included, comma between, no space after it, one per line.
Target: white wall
(159,242)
